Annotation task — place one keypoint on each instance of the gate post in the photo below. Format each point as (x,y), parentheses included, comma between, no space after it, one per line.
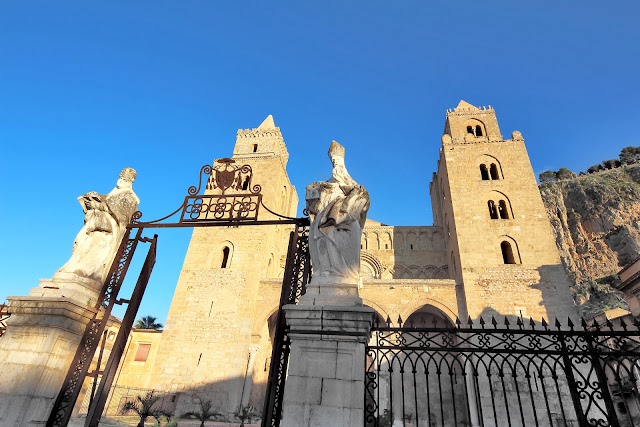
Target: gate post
(325,384)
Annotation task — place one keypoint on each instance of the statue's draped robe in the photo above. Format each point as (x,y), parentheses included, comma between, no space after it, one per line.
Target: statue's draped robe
(337,218)
(95,246)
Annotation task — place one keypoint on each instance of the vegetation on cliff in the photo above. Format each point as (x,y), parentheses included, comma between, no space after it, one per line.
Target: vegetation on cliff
(596,221)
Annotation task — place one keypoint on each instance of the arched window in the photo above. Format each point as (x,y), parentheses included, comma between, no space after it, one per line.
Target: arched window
(225,257)
(493,212)
(502,209)
(494,171)
(507,253)
(478,130)
(470,130)
(484,172)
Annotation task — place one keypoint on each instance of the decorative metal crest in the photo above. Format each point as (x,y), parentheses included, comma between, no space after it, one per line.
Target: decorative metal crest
(239,199)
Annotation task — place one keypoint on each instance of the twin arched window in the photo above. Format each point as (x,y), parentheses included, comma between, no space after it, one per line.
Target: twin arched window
(489,173)
(474,130)
(499,211)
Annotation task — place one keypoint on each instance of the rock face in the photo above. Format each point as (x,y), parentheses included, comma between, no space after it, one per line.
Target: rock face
(596,221)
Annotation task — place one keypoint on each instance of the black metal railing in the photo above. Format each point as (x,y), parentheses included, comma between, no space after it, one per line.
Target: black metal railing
(297,275)
(515,375)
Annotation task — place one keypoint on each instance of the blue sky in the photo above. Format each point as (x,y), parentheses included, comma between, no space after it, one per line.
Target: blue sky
(87,88)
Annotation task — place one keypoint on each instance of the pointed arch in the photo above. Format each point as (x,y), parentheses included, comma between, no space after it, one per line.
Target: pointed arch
(431,306)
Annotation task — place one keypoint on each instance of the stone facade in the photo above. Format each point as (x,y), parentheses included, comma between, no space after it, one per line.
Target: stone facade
(217,340)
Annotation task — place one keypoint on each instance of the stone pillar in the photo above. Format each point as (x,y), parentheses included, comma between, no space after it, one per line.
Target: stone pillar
(248,378)
(325,382)
(42,336)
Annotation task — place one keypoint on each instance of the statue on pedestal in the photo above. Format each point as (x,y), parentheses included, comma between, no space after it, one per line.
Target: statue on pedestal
(105,221)
(338,210)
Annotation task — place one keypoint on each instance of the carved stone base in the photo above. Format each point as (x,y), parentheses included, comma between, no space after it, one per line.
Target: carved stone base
(42,336)
(328,291)
(325,383)
(68,285)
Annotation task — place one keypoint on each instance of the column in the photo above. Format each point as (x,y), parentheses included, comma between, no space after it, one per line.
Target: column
(248,378)
(325,383)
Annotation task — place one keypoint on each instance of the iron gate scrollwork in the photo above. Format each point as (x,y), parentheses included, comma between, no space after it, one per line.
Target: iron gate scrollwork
(241,207)
(297,275)
(80,365)
(502,375)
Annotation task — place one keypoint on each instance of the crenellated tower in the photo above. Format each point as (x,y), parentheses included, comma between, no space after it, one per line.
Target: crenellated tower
(500,245)
(228,286)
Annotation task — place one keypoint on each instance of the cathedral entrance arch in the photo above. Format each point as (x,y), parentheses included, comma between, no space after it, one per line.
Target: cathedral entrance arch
(228,198)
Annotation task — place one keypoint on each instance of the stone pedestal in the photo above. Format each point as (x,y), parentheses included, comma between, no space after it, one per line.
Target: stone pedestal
(325,382)
(42,336)
(69,285)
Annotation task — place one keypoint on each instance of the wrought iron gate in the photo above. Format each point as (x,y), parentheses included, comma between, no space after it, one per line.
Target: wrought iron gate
(297,275)
(237,208)
(488,375)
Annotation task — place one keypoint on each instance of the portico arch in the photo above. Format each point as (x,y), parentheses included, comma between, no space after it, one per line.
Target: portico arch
(430,306)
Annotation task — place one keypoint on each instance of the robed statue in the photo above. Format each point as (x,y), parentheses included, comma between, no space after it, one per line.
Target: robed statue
(338,210)
(105,222)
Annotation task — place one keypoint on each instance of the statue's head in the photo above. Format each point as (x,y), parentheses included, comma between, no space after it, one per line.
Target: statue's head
(336,152)
(126,177)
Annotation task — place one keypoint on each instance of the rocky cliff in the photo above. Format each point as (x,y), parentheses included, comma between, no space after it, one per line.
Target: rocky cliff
(596,221)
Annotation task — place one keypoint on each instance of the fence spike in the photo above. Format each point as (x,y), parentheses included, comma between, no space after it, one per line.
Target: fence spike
(636,323)
(470,323)
(623,324)
(532,323)
(519,323)
(596,324)
(570,323)
(545,325)
(609,324)
(494,322)
(482,322)
(376,320)
(583,323)
(399,321)
(388,321)
(411,323)
(435,322)
(558,325)
(458,322)
(506,322)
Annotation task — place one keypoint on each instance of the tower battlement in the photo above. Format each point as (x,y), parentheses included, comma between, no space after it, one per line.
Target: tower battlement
(265,140)
(462,110)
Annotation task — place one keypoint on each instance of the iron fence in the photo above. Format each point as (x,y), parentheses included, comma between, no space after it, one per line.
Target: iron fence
(515,375)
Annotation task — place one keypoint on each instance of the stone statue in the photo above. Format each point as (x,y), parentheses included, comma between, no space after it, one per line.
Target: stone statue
(105,221)
(338,210)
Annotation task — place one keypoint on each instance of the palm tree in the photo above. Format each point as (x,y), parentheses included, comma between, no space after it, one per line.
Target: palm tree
(205,414)
(148,322)
(245,413)
(143,407)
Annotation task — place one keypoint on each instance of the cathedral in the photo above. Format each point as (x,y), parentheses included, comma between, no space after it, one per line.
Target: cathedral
(490,251)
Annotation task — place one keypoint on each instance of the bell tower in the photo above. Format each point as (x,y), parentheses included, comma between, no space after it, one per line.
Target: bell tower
(229,283)
(499,241)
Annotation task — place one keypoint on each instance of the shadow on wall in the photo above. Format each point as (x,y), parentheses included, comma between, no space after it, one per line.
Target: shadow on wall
(179,402)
